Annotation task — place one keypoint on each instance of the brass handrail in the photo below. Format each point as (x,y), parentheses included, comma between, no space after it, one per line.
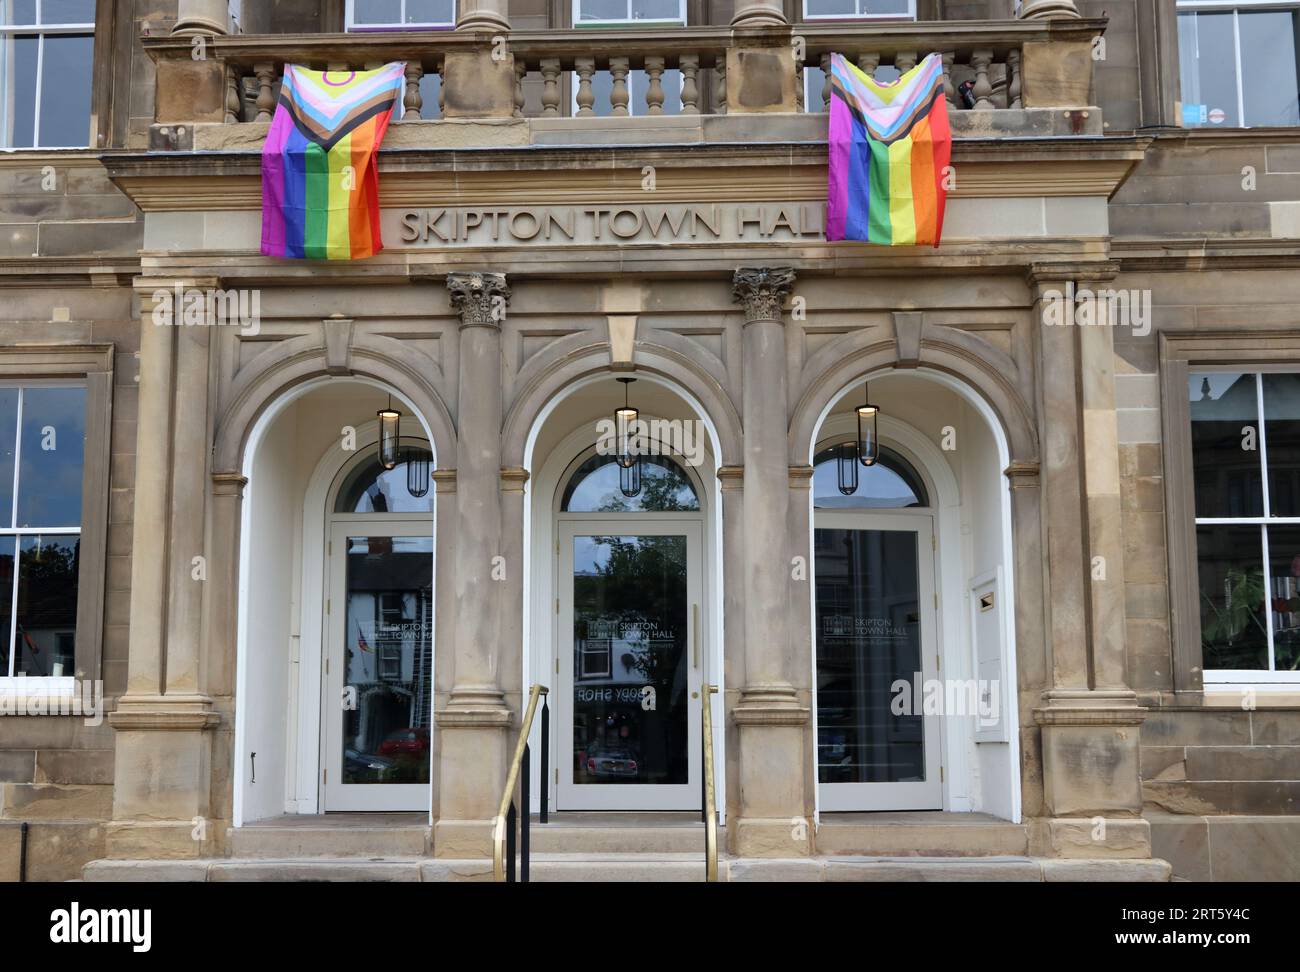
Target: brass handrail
(710,799)
(503,808)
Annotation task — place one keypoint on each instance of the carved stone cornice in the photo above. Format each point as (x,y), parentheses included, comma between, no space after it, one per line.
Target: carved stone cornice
(762,291)
(1022,474)
(444,480)
(731,477)
(479,298)
(228,484)
(770,705)
(1090,707)
(513,479)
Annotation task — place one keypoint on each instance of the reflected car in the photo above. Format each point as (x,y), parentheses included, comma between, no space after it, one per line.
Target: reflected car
(612,763)
(405,742)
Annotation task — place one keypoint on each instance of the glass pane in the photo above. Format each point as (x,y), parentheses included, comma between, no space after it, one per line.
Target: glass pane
(630,676)
(18,57)
(406,488)
(1225,445)
(18,12)
(6,600)
(1282,428)
(868,636)
(388,659)
(830,8)
(1284,566)
(67,11)
(65,91)
(594,488)
(656,10)
(47,606)
(8,436)
(1207,64)
(429,12)
(882,8)
(1234,630)
(1268,72)
(376,12)
(595,10)
(890,484)
(53,446)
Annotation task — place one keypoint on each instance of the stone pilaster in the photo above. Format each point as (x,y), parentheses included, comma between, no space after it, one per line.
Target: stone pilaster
(759,13)
(482,15)
(476,721)
(162,769)
(1048,9)
(771,717)
(1089,718)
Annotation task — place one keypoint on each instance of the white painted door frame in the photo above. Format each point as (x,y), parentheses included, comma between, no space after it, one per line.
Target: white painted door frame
(571,796)
(918,795)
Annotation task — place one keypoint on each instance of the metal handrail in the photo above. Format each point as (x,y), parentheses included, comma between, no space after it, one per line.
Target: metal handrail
(710,798)
(503,829)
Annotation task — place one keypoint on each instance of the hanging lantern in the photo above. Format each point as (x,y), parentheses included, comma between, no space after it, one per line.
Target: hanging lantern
(417,472)
(389,423)
(625,419)
(868,440)
(846,468)
(629,479)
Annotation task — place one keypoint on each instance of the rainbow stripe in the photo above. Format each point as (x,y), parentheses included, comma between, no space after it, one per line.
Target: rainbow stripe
(320,177)
(889,147)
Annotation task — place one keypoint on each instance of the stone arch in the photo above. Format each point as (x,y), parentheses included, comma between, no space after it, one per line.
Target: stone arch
(264,387)
(551,380)
(959,360)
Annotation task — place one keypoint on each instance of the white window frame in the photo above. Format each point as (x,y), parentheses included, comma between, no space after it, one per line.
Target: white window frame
(351,25)
(9,681)
(1261,679)
(910,15)
(1235,8)
(40,32)
(679,20)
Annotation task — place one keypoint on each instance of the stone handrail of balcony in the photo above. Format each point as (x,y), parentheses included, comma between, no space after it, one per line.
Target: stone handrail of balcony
(1009,64)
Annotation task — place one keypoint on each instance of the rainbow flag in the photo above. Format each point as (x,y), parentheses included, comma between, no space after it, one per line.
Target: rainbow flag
(889,147)
(320,178)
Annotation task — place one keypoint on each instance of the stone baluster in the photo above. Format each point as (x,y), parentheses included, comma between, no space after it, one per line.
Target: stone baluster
(654,95)
(442,89)
(550,86)
(867,64)
(586,67)
(413,101)
(1013,83)
(799,94)
(905,61)
(689,65)
(266,78)
(949,90)
(826,82)
(234,97)
(720,86)
(521,68)
(618,95)
(981,61)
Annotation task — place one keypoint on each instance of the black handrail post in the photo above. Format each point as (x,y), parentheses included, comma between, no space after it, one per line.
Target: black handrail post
(546,758)
(525,770)
(22,855)
(510,844)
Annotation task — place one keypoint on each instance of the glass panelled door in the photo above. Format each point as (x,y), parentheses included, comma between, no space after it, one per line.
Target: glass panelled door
(630,664)
(877,749)
(378,700)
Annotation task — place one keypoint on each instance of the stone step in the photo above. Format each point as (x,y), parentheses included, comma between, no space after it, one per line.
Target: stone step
(614,833)
(641,868)
(287,843)
(939,835)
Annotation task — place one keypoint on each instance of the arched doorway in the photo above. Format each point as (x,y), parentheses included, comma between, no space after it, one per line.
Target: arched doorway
(336,618)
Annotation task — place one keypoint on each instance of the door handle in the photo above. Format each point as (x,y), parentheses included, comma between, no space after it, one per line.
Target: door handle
(695,628)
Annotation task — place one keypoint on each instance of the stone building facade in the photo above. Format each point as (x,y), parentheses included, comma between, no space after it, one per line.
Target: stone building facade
(1081,510)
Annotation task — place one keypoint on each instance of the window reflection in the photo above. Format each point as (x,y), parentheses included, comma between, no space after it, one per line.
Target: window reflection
(370,488)
(890,484)
(594,488)
(1226,473)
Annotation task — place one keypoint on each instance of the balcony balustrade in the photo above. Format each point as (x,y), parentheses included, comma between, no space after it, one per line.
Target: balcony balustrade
(1039,68)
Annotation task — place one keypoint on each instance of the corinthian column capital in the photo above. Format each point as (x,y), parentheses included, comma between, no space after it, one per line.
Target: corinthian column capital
(762,290)
(479,298)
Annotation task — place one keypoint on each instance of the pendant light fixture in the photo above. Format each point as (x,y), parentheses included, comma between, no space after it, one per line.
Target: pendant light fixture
(846,467)
(417,472)
(389,423)
(629,462)
(868,439)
